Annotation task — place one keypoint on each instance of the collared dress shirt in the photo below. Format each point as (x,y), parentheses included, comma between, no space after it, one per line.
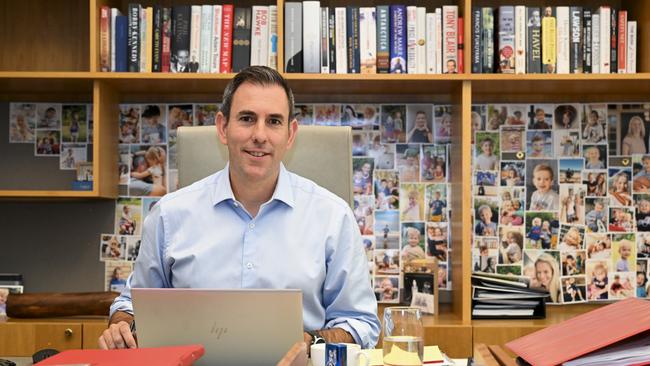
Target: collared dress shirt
(304,237)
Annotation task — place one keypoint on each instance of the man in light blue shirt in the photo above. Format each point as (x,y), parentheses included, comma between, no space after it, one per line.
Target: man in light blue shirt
(256,225)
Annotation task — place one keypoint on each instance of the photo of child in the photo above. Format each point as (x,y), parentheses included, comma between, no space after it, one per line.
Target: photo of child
(304,114)
(74,127)
(412,197)
(48,115)
(599,246)
(621,285)
(570,170)
(540,116)
(204,114)
(386,189)
(566,116)
(48,143)
(621,219)
(539,144)
(597,281)
(573,263)
(115,274)
(542,229)
(413,241)
(419,124)
(595,156)
(517,114)
(478,119)
(442,124)
(387,229)
(392,123)
(485,216)
(632,135)
(178,115)
(384,154)
(541,186)
(148,172)
(497,115)
(573,290)
(596,217)
(596,181)
(359,143)
(594,123)
(129,124)
(128,216)
(571,238)
(641,169)
(487,151)
(567,143)
(326,115)
(643,245)
(624,252)
(386,262)
(72,155)
(112,247)
(512,245)
(363,209)
(408,162)
(387,289)
(433,167)
(509,214)
(619,187)
(572,203)
(512,138)
(436,199)
(362,169)
(153,129)
(642,214)
(513,173)
(437,240)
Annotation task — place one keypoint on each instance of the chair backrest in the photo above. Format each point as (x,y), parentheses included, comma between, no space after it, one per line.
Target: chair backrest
(322,154)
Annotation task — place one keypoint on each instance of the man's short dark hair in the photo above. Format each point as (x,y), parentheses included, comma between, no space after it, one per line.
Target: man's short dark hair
(257,75)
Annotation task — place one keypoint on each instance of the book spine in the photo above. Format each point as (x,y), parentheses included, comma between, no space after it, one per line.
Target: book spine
(622,41)
(595,43)
(293,37)
(549,39)
(431,43)
(241,39)
(260,36)
(630,67)
(586,41)
(605,39)
(488,40)
(215,52)
(461,45)
(352,27)
(341,41)
(411,40)
(134,38)
(104,38)
(205,49)
(156,56)
(520,39)
(563,42)
(273,37)
(324,40)
(477,25)
(114,13)
(195,39)
(383,39)
(534,41)
(149,40)
(397,40)
(311,36)
(332,39)
(225,65)
(180,41)
(368,40)
(450,38)
(613,41)
(143,40)
(438,30)
(506,39)
(165,58)
(121,43)
(420,41)
(576,40)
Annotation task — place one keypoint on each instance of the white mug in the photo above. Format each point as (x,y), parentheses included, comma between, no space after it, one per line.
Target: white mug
(354,355)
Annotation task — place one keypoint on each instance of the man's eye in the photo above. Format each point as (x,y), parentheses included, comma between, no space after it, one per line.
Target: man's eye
(275,121)
(246,118)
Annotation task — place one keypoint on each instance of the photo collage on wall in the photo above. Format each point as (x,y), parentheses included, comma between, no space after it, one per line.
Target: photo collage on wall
(400,163)
(57,130)
(147,171)
(561,194)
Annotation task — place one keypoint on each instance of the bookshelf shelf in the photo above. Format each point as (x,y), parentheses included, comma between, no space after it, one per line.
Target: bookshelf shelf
(48,194)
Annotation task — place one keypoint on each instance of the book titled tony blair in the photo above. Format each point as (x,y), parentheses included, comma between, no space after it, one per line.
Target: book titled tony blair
(397,39)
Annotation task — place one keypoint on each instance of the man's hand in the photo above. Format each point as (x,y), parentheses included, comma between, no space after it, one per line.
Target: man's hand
(118,335)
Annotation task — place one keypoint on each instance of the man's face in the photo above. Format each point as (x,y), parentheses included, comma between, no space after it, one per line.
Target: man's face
(182,57)
(451,66)
(258,132)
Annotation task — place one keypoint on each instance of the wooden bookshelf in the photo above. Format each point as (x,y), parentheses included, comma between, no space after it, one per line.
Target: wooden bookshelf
(50,53)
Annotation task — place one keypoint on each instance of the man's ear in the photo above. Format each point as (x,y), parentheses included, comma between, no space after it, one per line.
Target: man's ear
(293,130)
(222,124)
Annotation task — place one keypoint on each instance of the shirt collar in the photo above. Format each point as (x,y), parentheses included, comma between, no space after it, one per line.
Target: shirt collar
(283,189)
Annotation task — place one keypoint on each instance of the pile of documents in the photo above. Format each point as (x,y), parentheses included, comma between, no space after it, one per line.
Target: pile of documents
(506,296)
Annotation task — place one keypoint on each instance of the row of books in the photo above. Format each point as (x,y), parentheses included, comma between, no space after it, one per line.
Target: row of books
(562,39)
(188,38)
(368,40)
(506,296)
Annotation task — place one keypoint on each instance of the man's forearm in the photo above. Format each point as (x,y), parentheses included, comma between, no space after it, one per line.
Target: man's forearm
(121,316)
(336,335)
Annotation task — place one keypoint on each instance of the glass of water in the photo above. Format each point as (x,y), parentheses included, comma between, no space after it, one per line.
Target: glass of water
(403,336)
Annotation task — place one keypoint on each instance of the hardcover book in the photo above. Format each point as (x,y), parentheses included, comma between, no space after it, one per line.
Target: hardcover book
(226,38)
(450,39)
(205,49)
(165,57)
(520,39)
(134,38)
(549,41)
(215,52)
(383,39)
(507,39)
(311,36)
(352,28)
(477,25)
(368,40)
(586,41)
(576,66)
(293,37)
(273,37)
(534,41)
(241,39)
(563,43)
(195,39)
(156,57)
(180,42)
(260,36)
(398,39)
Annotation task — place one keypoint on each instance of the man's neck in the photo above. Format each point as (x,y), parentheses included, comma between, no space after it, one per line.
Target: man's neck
(252,194)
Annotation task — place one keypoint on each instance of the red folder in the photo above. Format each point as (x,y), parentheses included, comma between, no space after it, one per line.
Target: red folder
(584,333)
(162,356)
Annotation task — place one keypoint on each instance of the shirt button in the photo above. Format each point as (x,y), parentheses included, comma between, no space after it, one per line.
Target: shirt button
(249,265)
(235,204)
(251,225)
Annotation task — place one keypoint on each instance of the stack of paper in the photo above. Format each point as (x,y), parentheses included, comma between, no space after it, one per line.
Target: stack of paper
(500,296)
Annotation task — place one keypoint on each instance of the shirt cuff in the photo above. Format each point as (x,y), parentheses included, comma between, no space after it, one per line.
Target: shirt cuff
(351,326)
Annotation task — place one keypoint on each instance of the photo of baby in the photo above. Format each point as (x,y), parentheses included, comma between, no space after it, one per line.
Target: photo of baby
(485,216)
(599,246)
(412,198)
(624,252)
(596,216)
(595,156)
(597,280)
(413,239)
(487,151)
(539,144)
(387,289)
(594,123)
(148,170)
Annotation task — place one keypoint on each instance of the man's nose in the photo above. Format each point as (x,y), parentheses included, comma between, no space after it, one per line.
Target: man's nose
(259,131)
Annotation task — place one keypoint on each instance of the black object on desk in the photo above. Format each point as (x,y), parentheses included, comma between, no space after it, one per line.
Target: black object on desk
(43,354)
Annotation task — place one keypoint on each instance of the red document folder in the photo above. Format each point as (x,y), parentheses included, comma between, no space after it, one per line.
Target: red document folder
(162,356)
(584,333)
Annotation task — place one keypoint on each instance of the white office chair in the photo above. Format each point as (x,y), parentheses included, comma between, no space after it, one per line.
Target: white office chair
(322,154)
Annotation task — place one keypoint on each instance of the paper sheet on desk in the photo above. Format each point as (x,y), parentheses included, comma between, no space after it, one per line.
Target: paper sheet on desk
(432,356)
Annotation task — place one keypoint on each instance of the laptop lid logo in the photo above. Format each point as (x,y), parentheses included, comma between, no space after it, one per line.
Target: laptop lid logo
(218,331)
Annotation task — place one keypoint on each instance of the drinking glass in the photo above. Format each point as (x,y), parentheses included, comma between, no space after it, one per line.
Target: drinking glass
(403,336)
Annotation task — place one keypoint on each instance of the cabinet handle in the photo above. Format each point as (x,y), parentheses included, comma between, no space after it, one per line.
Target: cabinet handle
(68,332)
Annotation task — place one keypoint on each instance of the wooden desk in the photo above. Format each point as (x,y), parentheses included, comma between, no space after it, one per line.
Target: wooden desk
(23,337)
(492,355)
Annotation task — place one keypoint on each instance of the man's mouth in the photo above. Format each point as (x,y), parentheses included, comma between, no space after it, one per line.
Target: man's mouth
(257,154)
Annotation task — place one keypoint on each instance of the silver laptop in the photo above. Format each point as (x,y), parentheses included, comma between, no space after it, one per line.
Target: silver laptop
(236,327)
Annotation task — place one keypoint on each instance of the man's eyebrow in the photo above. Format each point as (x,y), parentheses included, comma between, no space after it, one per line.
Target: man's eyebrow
(246,112)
